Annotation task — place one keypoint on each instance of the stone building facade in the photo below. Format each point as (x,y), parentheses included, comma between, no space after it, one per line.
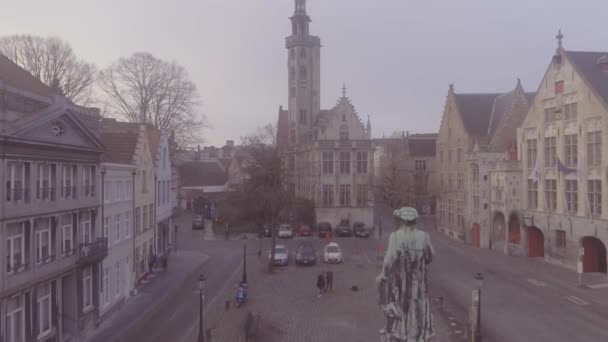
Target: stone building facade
(328,152)
(50,232)
(564,154)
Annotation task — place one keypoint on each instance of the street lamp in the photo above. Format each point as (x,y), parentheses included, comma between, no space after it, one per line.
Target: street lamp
(244,280)
(479,278)
(201,289)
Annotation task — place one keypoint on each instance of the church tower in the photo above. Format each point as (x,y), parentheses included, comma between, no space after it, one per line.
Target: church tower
(304,80)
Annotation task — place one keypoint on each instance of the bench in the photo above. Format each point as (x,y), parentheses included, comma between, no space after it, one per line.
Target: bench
(251,326)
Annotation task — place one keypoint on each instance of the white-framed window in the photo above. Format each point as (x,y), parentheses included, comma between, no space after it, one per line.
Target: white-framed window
(594,148)
(345,162)
(361,195)
(68,181)
(550,152)
(67,236)
(328,162)
(345,195)
(532,194)
(420,165)
(87,288)
(572,195)
(16,186)
(14,330)
(44,309)
(44,190)
(88,179)
(551,194)
(85,227)
(571,111)
(571,150)
(43,241)
(594,195)
(127,228)
(531,144)
(15,248)
(117,234)
(328,195)
(106,285)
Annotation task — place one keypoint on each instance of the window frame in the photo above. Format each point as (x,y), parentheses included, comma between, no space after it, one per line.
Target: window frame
(42,298)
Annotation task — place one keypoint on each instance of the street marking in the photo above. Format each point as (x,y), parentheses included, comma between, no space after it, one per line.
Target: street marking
(537,282)
(598,286)
(576,300)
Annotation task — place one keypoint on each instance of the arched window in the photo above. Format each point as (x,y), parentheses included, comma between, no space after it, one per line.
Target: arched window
(344,132)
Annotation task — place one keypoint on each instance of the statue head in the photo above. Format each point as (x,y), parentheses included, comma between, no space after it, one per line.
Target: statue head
(407,216)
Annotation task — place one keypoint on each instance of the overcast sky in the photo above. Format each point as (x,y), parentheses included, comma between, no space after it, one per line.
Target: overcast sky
(397,57)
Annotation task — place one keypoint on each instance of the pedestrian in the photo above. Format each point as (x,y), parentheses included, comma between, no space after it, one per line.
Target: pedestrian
(320,284)
(329,281)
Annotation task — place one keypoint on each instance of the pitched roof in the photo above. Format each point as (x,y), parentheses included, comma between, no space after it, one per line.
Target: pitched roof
(17,77)
(153,142)
(202,173)
(586,63)
(422,145)
(476,110)
(120,147)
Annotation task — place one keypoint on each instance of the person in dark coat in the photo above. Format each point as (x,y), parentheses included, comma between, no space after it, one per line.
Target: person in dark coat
(329,281)
(320,284)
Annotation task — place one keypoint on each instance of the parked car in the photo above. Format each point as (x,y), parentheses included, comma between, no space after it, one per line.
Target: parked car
(305,230)
(360,230)
(285,231)
(332,253)
(265,230)
(198,222)
(344,229)
(306,254)
(324,228)
(281,255)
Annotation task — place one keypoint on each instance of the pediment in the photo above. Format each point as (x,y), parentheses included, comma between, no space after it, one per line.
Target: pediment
(62,129)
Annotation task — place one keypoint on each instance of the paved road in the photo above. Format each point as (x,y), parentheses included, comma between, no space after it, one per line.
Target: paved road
(522,299)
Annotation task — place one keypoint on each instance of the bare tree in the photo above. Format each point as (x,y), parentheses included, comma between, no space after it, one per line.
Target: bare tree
(145,89)
(396,185)
(53,62)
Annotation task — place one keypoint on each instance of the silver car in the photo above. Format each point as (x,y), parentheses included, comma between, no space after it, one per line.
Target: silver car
(281,255)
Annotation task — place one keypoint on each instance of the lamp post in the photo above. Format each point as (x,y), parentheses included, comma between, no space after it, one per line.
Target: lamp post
(201,288)
(479,278)
(244,280)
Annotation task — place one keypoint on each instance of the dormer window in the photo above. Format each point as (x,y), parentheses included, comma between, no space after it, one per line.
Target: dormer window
(343,132)
(559,87)
(602,62)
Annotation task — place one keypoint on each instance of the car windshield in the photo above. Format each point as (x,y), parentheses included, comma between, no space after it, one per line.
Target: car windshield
(333,249)
(284,228)
(359,227)
(280,250)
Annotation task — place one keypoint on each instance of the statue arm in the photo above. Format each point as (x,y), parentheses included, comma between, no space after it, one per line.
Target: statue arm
(390,256)
(429,251)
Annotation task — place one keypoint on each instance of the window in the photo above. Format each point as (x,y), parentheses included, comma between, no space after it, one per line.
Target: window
(594,193)
(15,314)
(343,133)
(16,184)
(559,87)
(88,180)
(44,309)
(531,157)
(303,116)
(328,162)
(127,229)
(144,220)
(117,220)
(87,288)
(460,156)
(550,115)
(550,152)
(67,235)
(362,162)
(106,285)
(475,173)
(68,181)
(345,194)
(361,195)
(44,190)
(137,220)
(460,181)
(43,241)
(85,226)
(328,195)
(303,74)
(571,150)
(560,238)
(144,182)
(571,111)
(15,247)
(420,165)
(572,196)
(475,202)
(532,194)
(345,162)
(551,194)
(594,148)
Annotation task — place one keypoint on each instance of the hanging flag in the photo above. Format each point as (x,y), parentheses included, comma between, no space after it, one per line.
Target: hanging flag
(535,174)
(561,168)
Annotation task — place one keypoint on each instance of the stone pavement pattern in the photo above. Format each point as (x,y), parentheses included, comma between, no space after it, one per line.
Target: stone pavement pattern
(291,311)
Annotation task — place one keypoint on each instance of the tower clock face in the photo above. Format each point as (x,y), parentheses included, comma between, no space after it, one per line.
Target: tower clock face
(57,128)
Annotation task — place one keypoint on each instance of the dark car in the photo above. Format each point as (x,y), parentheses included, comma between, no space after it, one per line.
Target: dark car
(344,229)
(324,228)
(306,254)
(360,230)
(265,230)
(198,222)
(304,230)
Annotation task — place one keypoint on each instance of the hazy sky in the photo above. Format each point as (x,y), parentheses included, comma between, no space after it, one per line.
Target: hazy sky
(397,57)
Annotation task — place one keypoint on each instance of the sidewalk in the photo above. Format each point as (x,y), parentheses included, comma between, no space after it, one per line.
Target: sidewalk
(150,296)
(291,311)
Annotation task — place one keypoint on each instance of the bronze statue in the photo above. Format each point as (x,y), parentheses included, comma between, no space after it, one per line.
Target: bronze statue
(402,285)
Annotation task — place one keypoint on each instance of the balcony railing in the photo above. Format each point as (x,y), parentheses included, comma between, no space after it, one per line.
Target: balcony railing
(46,193)
(17,268)
(18,195)
(89,190)
(68,192)
(92,251)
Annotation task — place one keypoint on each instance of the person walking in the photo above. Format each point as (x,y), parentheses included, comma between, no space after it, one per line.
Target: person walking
(329,281)
(320,284)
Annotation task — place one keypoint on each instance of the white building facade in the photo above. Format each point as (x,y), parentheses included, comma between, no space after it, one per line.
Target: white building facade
(166,199)
(116,272)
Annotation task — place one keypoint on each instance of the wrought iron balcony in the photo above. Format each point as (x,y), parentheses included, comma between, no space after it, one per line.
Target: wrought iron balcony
(93,251)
